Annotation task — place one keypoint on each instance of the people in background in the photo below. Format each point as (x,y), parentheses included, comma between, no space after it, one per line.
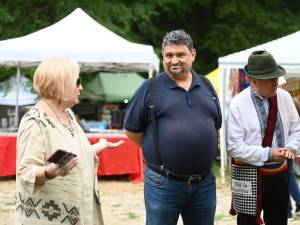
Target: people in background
(65,192)
(264,131)
(181,109)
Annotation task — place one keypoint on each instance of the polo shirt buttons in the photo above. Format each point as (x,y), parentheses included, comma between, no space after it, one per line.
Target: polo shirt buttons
(189,100)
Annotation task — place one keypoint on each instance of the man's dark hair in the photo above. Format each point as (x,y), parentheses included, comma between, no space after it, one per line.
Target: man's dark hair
(177,37)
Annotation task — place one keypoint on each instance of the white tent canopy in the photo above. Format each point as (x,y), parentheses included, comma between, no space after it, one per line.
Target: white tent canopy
(286,51)
(79,37)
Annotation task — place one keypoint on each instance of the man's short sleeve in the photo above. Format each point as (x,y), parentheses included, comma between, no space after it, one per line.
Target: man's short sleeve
(136,117)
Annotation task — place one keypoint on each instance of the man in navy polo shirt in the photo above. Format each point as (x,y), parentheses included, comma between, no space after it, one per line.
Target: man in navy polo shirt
(178,177)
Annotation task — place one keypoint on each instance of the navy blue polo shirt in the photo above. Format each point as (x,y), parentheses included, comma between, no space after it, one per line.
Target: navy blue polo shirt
(187,123)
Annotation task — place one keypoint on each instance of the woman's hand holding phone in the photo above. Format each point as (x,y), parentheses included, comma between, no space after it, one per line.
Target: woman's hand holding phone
(60,163)
(61,157)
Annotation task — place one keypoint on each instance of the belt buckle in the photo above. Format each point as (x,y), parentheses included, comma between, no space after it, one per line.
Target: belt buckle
(194,179)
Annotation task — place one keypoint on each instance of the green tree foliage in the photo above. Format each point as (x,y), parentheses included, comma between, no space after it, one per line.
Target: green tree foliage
(238,25)
(218,27)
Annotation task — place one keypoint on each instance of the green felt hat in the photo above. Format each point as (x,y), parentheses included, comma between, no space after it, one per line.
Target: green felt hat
(262,66)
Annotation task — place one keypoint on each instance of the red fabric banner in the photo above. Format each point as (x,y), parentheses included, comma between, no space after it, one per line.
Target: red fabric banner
(8,155)
(125,159)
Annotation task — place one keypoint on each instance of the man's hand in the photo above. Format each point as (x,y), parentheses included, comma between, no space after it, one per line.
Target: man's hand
(281,154)
(288,153)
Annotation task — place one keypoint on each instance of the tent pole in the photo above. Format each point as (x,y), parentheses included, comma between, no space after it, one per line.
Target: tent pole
(17,96)
(222,85)
(150,71)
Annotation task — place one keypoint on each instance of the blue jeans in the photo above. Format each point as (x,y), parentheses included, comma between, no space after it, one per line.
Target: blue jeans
(294,189)
(166,199)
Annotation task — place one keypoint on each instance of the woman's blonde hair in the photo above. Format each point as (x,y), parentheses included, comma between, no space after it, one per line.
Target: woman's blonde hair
(55,78)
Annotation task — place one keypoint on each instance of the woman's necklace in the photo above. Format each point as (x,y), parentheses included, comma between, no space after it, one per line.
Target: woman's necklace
(68,126)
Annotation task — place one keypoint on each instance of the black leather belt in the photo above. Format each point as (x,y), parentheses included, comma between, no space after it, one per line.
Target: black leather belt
(188,179)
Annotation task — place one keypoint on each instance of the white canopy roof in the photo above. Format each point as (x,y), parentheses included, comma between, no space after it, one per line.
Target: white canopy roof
(286,51)
(79,37)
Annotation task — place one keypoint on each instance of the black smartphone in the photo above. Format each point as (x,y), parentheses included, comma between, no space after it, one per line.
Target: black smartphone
(61,157)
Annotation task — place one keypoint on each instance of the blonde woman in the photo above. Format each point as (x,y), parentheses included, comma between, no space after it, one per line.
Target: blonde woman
(52,193)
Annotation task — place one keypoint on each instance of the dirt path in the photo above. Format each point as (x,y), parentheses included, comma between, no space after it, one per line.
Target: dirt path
(122,203)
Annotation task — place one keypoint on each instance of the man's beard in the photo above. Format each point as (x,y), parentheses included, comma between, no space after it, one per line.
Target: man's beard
(177,72)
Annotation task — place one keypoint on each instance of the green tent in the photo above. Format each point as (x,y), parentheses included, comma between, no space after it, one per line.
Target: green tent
(112,87)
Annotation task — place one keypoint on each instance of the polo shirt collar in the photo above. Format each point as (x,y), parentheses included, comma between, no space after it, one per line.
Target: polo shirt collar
(172,84)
